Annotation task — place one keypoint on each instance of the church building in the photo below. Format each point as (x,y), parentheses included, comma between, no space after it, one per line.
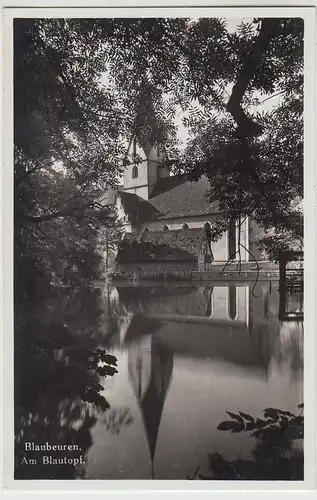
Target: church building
(166,220)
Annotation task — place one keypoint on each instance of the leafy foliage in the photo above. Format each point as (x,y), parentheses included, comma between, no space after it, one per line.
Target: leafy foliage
(254,160)
(273,458)
(84,87)
(274,421)
(274,243)
(59,373)
(69,147)
(108,239)
(115,419)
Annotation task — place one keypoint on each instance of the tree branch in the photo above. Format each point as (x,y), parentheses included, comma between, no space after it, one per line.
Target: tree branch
(70,212)
(273,95)
(246,126)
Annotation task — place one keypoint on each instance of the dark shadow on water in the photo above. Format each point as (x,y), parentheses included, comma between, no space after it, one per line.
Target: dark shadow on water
(58,390)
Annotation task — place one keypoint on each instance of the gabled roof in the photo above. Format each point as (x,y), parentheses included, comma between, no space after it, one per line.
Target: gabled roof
(161,245)
(137,209)
(179,197)
(171,197)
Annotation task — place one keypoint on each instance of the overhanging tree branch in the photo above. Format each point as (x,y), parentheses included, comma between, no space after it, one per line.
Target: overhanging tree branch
(246,126)
(70,212)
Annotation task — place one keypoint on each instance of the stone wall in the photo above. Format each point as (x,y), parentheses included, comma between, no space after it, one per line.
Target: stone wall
(219,248)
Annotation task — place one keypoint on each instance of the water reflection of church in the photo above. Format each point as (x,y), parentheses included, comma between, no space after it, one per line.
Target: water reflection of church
(226,324)
(227,302)
(150,370)
(214,322)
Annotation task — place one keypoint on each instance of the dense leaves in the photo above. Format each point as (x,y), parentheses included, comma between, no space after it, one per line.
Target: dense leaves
(69,146)
(275,455)
(276,243)
(84,87)
(274,420)
(251,153)
(60,379)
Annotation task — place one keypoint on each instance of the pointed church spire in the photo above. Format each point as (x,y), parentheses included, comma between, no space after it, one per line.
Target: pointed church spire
(150,386)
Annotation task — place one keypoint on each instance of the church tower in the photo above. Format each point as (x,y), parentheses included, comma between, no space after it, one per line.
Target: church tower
(140,179)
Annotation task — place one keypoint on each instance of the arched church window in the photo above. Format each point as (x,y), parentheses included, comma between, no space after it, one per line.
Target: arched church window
(165,228)
(185,226)
(232,240)
(134,146)
(135,172)
(146,230)
(207,226)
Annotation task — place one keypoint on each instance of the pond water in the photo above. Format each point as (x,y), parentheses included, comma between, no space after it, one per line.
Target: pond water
(185,356)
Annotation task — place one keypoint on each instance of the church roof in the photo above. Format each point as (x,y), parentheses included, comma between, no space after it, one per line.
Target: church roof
(137,209)
(179,197)
(171,197)
(161,245)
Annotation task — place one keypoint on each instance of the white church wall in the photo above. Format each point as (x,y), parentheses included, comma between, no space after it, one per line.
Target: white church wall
(122,217)
(152,173)
(244,239)
(220,248)
(147,171)
(120,210)
(254,231)
(142,178)
(139,184)
(155,172)
(108,197)
(141,191)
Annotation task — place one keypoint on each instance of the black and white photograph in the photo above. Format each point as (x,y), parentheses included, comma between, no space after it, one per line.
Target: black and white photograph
(159,247)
